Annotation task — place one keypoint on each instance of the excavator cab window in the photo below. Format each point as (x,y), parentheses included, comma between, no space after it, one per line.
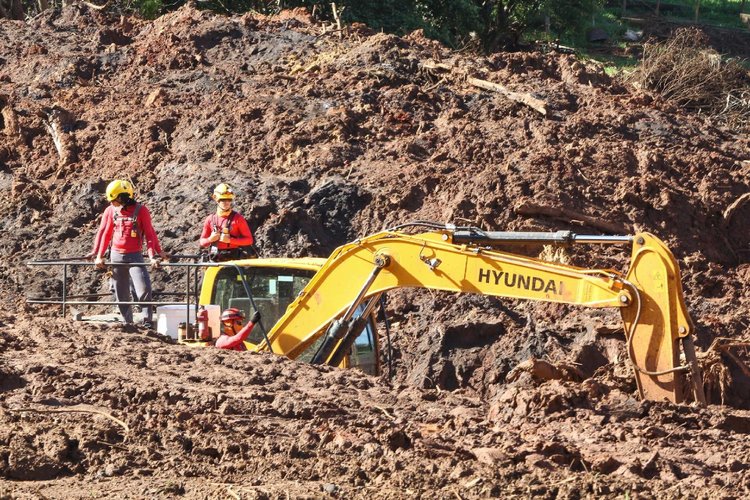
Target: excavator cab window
(364,354)
(272,290)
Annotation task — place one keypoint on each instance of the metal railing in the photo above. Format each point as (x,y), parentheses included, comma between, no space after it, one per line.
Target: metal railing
(66,300)
(189,294)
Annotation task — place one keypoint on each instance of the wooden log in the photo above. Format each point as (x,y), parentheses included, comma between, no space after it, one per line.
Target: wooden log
(435,65)
(732,209)
(534,103)
(537,105)
(570,216)
(98,7)
(57,123)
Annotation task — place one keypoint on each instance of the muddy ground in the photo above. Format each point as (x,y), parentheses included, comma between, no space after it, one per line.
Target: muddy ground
(327,137)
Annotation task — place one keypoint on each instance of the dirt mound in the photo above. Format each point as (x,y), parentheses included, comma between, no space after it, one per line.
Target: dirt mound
(105,412)
(327,138)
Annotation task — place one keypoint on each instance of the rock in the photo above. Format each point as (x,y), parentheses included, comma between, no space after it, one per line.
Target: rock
(632,36)
(597,35)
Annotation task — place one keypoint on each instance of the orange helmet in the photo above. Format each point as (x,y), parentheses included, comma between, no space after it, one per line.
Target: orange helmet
(232,314)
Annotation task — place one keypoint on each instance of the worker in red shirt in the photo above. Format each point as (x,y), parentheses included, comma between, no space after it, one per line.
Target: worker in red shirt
(126,224)
(231,320)
(226,232)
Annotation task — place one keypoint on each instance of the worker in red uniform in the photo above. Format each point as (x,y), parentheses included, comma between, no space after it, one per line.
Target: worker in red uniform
(226,232)
(126,224)
(231,320)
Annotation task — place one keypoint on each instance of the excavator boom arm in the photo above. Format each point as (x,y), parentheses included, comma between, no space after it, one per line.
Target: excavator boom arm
(649,297)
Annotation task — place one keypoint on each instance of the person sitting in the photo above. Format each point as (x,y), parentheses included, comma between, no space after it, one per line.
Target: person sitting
(226,232)
(231,320)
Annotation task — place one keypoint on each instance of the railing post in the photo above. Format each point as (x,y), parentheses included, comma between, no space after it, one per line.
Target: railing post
(65,289)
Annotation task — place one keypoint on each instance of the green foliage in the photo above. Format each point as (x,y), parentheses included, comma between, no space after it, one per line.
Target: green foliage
(449,21)
(506,21)
(496,24)
(150,9)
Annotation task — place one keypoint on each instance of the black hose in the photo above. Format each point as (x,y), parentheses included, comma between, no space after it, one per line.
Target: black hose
(250,296)
(435,225)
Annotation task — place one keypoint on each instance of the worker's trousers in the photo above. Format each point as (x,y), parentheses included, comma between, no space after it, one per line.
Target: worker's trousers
(123,275)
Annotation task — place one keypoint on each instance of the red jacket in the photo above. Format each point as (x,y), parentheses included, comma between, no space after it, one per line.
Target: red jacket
(239,231)
(117,226)
(237,341)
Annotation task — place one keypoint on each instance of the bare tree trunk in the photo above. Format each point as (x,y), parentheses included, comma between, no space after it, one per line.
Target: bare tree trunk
(12,9)
(43,5)
(658,7)
(624,7)
(697,9)
(742,7)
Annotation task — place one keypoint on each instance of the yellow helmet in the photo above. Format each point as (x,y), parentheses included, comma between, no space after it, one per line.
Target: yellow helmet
(118,187)
(223,192)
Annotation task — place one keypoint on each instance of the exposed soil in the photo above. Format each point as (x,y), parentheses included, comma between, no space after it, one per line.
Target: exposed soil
(328,138)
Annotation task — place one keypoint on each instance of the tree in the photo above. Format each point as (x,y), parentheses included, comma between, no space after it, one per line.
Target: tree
(11,9)
(506,21)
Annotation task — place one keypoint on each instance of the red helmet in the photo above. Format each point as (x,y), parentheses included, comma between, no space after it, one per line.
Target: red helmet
(232,314)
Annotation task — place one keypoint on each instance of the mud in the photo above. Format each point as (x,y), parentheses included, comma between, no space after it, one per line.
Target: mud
(328,138)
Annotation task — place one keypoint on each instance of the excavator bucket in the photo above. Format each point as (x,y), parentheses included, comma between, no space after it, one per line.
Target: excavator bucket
(655,322)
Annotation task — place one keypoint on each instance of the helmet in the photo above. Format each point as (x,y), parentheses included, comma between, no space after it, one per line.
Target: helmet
(223,192)
(232,314)
(118,187)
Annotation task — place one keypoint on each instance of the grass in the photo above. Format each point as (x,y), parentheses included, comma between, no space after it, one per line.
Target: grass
(722,13)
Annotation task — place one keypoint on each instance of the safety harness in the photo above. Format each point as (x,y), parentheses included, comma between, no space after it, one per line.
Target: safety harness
(217,255)
(135,231)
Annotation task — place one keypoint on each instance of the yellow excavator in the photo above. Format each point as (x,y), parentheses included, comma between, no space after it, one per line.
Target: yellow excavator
(323,310)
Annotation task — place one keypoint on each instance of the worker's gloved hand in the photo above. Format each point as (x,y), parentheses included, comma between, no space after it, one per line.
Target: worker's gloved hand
(255,318)
(214,237)
(225,238)
(155,263)
(99,262)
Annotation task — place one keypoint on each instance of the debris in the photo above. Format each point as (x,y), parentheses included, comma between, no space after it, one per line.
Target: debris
(733,208)
(154,95)
(529,100)
(632,35)
(58,123)
(569,216)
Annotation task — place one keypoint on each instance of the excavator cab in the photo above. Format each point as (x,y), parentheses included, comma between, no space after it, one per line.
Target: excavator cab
(270,286)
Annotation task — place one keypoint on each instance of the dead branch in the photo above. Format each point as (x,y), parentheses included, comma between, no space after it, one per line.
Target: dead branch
(98,7)
(723,345)
(232,492)
(53,130)
(76,409)
(529,100)
(56,123)
(337,18)
(687,71)
(733,208)
(435,65)
(570,216)
(536,104)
